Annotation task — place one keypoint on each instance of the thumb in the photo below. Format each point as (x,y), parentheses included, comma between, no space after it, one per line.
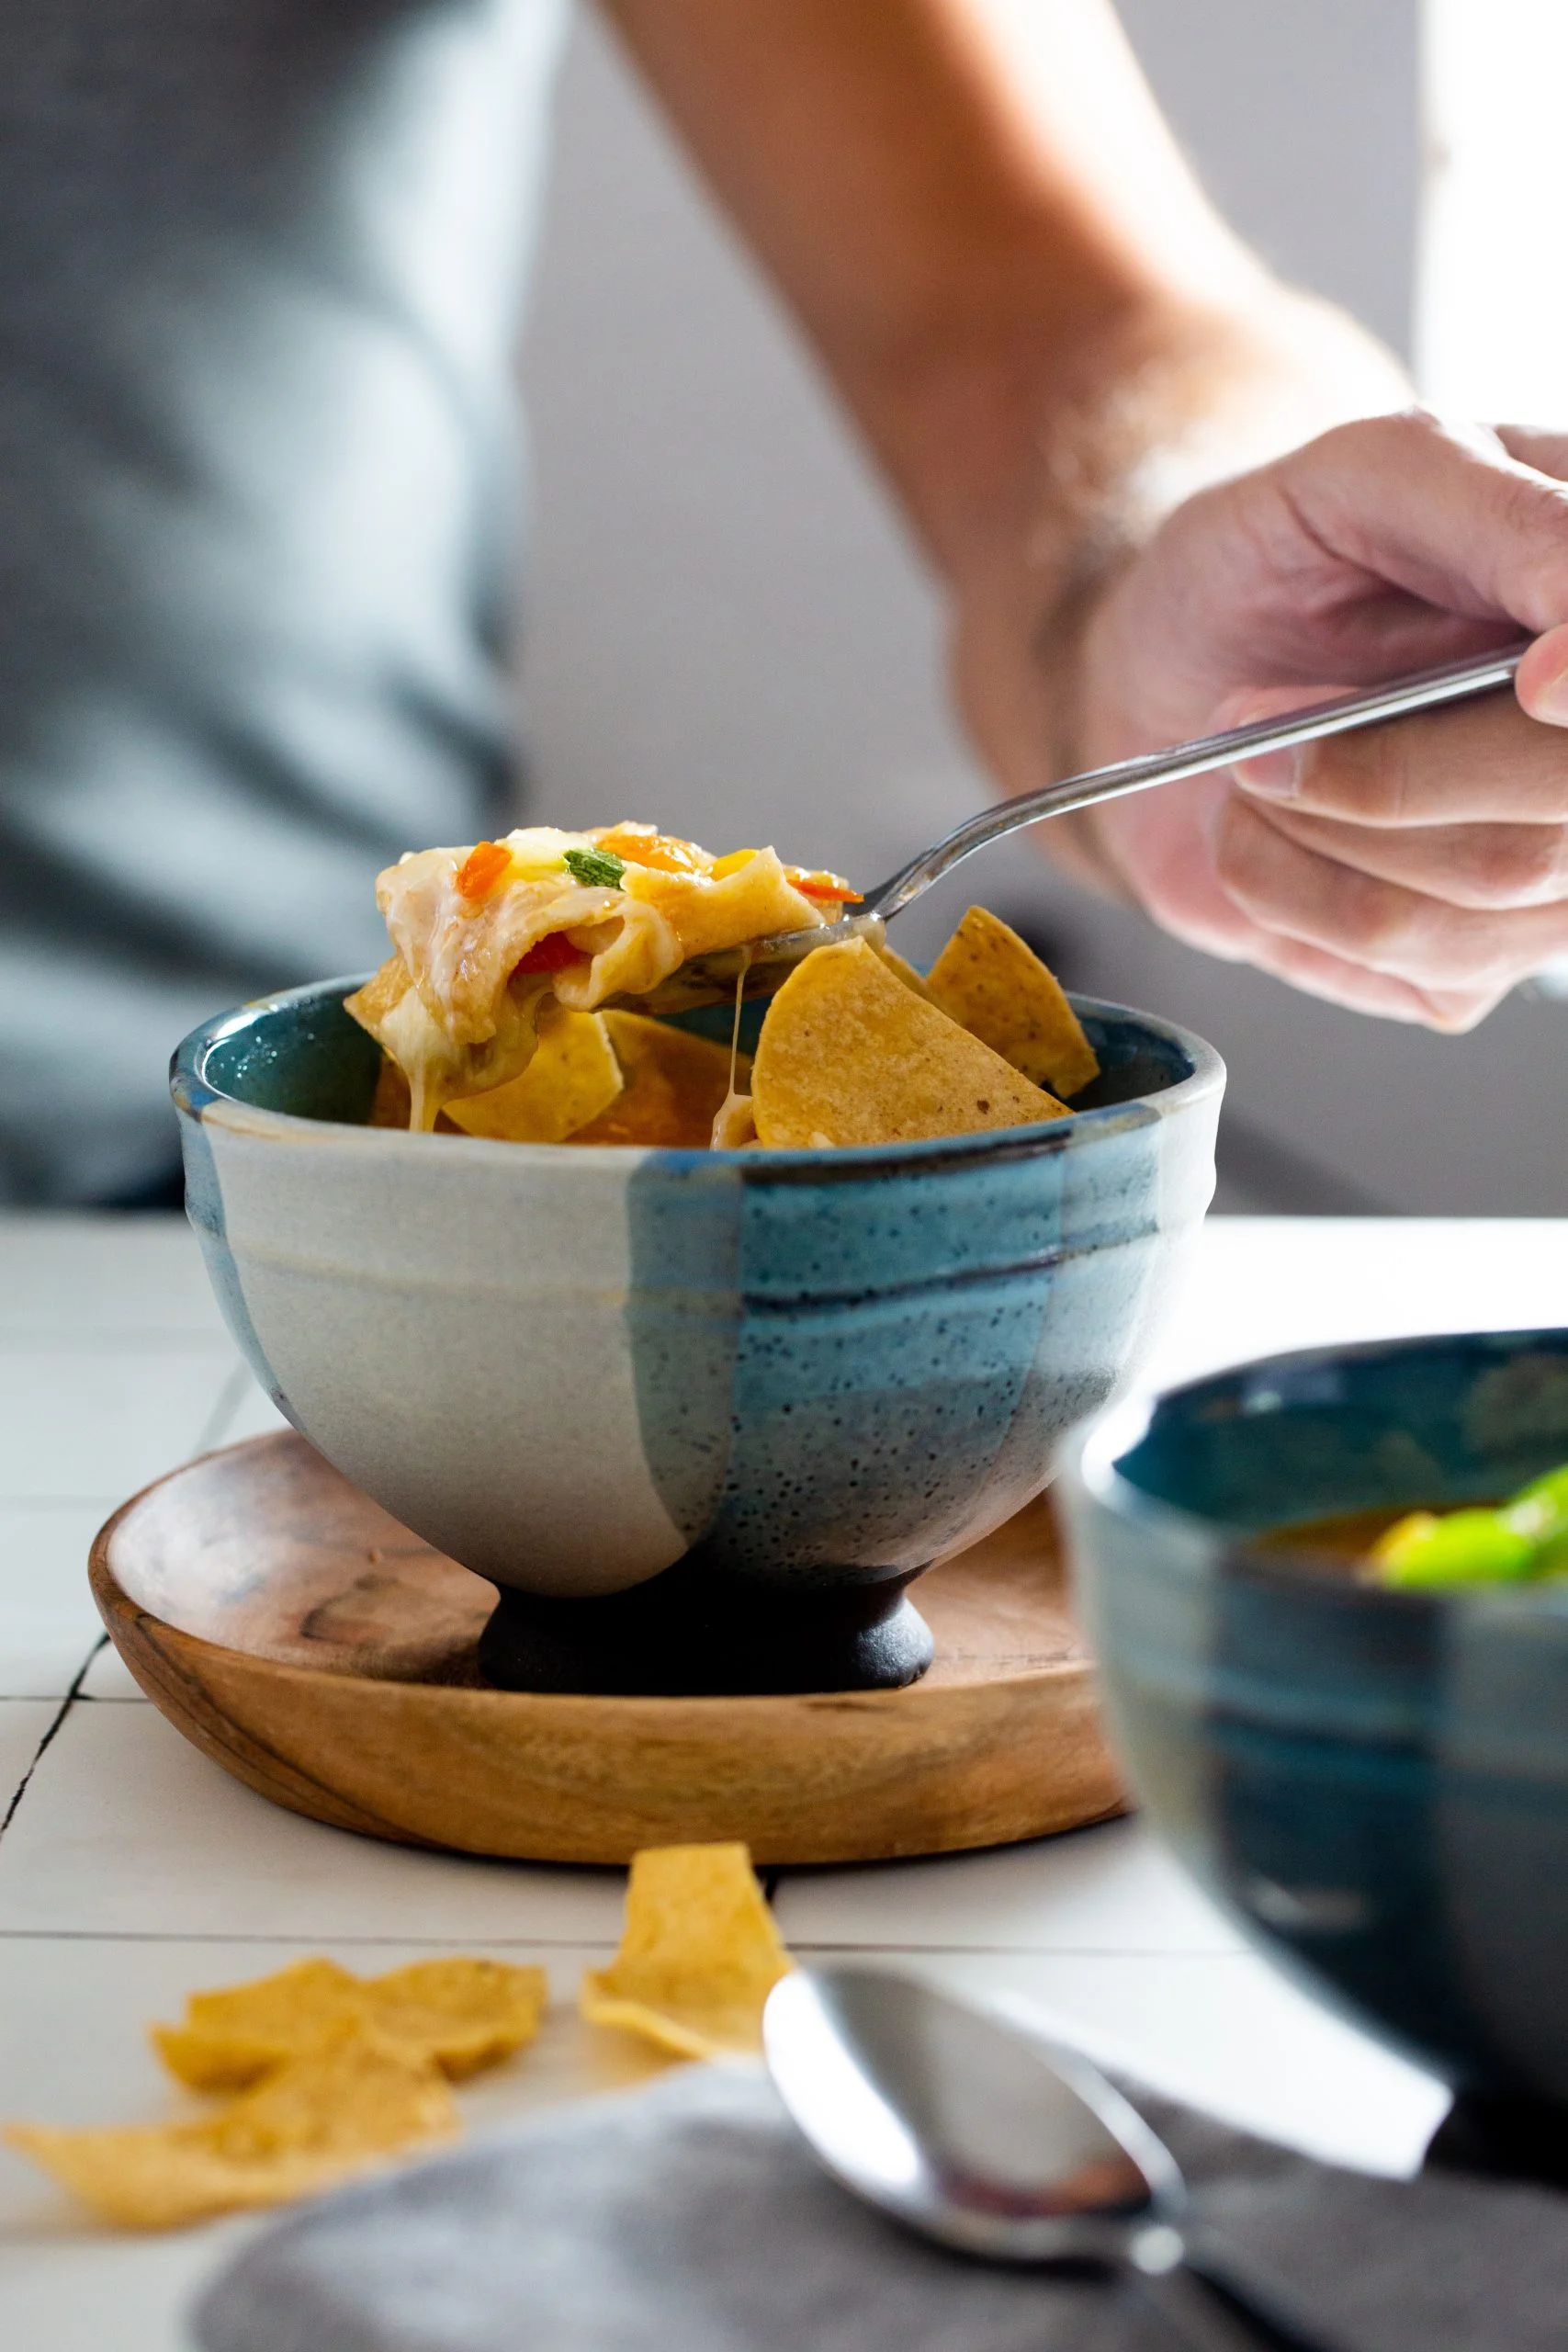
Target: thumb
(1542,682)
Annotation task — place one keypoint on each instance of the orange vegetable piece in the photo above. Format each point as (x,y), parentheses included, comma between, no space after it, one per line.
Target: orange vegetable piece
(820,884)
(482,869)
(640,845)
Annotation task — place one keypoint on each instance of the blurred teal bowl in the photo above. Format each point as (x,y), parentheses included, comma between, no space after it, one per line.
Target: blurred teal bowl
(646,1389)
(1373,1783)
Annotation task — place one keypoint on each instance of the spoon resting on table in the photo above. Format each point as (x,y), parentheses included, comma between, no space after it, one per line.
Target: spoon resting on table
(759,966)
(998,2142)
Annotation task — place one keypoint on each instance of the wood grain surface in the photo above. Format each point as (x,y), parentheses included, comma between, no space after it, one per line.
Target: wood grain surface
(324,1656)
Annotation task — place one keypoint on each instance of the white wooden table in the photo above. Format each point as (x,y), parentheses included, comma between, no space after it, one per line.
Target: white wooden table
(132,1871)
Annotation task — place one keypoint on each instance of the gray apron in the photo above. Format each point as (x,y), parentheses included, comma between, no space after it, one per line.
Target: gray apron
(261,267)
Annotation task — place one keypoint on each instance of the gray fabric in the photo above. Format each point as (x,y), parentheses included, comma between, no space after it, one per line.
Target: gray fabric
(261,263)
(690,2216)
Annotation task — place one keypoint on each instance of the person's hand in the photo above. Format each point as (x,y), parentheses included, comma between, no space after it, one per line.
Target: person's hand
(1417,870)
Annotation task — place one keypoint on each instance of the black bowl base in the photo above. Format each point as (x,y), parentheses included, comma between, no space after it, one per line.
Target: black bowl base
(694,1633)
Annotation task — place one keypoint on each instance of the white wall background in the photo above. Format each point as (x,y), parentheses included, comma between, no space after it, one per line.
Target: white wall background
(729,633)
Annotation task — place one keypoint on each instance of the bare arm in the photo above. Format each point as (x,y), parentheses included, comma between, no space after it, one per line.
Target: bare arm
(1051,342)
(976,211)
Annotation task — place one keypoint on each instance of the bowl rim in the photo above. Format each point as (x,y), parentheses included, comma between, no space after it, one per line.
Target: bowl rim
(196,1094)
(1091,1469)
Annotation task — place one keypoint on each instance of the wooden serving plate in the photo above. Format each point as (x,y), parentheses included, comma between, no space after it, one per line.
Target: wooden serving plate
(324,1656)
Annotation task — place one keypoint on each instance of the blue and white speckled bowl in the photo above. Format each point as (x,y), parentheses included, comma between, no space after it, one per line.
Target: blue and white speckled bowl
(802,1377)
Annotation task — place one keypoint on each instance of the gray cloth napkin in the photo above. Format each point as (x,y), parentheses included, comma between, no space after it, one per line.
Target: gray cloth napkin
(689,2218)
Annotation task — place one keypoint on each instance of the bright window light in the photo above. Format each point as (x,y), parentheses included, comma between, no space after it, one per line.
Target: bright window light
(1491,323)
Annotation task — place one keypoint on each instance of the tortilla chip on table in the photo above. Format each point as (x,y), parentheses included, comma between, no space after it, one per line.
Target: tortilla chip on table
(699,1955)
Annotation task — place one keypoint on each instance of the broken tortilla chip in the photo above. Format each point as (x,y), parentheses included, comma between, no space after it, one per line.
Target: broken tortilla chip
(465,2013)
(675,1085)
(574,1077)
(323,2116)
(460,2014)
(848,1055)
(231,2037)
(993,984)
(699,1957)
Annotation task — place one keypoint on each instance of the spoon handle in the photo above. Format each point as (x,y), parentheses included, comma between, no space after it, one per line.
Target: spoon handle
(1428,690)
(1216,2304)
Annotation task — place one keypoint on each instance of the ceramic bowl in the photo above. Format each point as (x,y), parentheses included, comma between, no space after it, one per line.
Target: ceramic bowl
(700,1415)
(1374,1783)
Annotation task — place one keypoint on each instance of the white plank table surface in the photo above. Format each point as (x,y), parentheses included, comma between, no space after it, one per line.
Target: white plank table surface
(132,1871)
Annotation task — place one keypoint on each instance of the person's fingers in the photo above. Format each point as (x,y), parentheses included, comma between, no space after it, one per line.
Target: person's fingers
(1286,888)
(1482,762)
(1443,512)
(1537,445)
(1355,989)
(1165,845)
(1162,845)
(1470,865)
(1541,685)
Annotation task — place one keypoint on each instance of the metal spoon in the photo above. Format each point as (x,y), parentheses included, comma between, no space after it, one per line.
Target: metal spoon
(1000,2143)
(764,964)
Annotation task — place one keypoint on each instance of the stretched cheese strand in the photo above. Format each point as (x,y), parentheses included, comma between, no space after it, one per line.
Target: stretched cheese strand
(735,1122)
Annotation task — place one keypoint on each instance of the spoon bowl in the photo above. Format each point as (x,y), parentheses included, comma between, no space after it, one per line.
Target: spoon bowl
(951,2121)
(995,2141)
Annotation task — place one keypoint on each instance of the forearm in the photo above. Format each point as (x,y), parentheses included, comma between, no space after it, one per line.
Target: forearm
(1045,334)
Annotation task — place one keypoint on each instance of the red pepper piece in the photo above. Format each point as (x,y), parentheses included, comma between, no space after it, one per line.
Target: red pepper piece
(554,952)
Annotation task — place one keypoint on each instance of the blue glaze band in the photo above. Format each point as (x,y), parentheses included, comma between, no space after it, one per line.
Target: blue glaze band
(1374,1783)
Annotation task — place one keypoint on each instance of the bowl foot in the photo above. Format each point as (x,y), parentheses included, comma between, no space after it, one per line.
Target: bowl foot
(1511,2138)
(691,1633)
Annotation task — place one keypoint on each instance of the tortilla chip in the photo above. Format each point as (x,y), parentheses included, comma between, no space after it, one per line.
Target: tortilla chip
(675,1084)
(996,987)
(904,971)
(848,1054)
(573,1079)
(333,2112)
(231,2037)
(698,1958)
(459,2014)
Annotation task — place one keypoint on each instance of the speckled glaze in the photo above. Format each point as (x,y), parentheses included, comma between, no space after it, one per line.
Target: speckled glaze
(571,1369)
(1374,1783)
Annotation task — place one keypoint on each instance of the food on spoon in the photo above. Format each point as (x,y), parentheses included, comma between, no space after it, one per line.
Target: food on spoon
(461,2013)
(350,2100)
(848,1055)
(993,984)
(482,937)
(486,1010)
(1523,1541)
(699,1954)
